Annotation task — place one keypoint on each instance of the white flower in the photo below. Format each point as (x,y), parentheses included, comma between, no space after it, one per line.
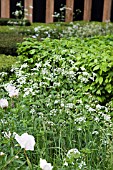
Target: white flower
(13,92)
(44,165)
(10,87)
(16,13)
(25,9)
(82,164)
(106,117)
(18,4)
(65,163)
(3,103)
(98,106)
(2,153)
(7,134)
(26,141)
(72,151)
(91,109)
(16,157)
(31,6)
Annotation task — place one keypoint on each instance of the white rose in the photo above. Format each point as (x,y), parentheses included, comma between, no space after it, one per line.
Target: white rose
(44,165)
(13,92)
(26,141)
(3,103)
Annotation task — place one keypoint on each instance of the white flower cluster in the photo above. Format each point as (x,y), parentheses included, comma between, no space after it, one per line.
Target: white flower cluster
(72,158)
(72,151)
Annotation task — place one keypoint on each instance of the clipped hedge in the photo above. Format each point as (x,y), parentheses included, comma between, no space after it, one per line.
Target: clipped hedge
(12,22)
(8,43)
(6,62)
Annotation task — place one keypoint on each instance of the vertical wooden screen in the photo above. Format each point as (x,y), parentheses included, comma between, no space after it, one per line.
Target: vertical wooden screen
(87,10)
(28,10)
(5,8)
(69,10)
(107,10)
(28,5)
(49,11)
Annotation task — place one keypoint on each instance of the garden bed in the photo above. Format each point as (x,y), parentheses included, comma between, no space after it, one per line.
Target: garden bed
(60,93)
(11,35)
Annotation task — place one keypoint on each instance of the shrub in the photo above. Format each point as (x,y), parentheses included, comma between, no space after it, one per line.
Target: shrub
(92,57)
(8,43)
(6,62)
(12,22)
(97,58)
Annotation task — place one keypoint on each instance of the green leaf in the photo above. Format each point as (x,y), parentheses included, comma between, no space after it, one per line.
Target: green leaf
(98,92)
(100,80)
(32,51)
(108,88)
(96,67)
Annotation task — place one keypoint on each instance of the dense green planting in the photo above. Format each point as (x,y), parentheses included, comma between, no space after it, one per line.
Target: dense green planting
(58,107)
(92,60)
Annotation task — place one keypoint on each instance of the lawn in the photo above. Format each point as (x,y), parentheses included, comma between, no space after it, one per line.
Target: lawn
(56,101)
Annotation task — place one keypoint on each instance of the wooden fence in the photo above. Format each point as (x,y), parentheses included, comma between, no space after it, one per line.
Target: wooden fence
(28,4)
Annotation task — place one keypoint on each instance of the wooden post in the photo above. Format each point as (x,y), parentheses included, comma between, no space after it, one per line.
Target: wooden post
(49,11)
(107,10)
(69,10)
(28,10)
(5,8)
(87,10)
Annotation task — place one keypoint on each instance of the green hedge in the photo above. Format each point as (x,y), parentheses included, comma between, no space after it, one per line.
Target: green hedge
(12,21)
(8,43)
(6,62)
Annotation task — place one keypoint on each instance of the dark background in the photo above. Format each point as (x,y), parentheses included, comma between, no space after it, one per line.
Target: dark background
(39,10)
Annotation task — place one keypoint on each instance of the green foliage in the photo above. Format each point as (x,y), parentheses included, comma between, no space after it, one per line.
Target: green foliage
(11,35)
(54,107)
(94,55)
(97,59)
(57,104)
(12,22)
(6,62)
(8,43)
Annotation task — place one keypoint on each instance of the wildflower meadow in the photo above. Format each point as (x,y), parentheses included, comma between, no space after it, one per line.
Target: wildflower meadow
(56,105)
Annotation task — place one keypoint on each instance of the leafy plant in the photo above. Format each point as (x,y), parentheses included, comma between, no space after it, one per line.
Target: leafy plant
(58,105)
(91,57)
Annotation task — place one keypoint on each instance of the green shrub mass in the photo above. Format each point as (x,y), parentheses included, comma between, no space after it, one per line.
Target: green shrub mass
(90,60)
(65,102)
(12,22)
